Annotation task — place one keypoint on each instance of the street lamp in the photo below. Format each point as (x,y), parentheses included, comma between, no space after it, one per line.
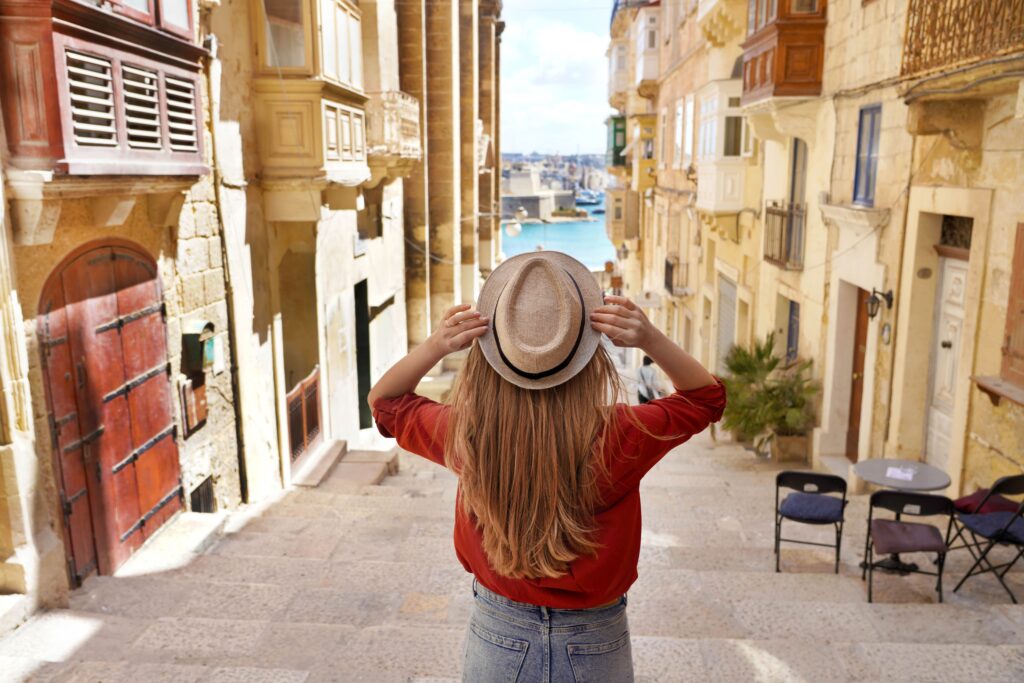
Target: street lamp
(874,302)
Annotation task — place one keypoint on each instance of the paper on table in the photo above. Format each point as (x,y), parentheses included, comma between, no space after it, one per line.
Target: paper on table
(901,473)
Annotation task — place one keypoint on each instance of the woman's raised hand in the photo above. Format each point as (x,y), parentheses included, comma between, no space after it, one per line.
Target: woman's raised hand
(459,327)
(623,322)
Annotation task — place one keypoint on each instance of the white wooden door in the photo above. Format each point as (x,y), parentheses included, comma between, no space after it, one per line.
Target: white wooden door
(726,320)
(949,322)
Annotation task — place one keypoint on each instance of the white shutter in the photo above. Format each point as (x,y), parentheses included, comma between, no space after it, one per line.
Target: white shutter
(140,92)
(91,91)
(181,114)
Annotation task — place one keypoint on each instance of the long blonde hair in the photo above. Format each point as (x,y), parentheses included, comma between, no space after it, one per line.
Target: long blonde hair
(529,462)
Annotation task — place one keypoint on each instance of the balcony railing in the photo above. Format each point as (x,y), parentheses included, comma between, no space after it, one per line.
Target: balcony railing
(393,126)
(675,277)
(304,414)
(784,235)
(943,33)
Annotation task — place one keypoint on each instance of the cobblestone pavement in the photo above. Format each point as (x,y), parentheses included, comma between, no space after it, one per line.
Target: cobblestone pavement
(332,584)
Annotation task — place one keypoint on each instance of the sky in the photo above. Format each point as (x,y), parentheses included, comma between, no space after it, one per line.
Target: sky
(554,83)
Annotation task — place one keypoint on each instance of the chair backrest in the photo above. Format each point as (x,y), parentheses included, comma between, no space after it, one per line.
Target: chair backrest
(810,482)
(917,504)
(1012,485)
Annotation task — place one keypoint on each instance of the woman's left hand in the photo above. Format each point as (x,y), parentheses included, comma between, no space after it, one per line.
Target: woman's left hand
(623,322)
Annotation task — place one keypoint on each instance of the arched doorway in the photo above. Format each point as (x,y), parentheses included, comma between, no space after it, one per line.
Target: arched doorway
(103,343)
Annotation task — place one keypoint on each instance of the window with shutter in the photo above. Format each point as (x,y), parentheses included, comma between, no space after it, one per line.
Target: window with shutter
(141,97)
(1013,349)
(181,114)
(91,88)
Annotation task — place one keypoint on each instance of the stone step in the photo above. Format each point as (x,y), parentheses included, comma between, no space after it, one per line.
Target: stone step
(319,464)
(389,458)
(436,388)
(176,544)
(14,609)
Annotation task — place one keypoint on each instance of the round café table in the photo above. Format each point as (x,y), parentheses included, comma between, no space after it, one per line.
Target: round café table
(901,475)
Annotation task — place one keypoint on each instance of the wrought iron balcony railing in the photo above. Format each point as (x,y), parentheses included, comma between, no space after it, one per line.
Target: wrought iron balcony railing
(944,33)
(675,277)
(784,235)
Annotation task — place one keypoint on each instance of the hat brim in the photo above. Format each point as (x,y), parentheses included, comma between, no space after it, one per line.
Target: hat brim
(592,298)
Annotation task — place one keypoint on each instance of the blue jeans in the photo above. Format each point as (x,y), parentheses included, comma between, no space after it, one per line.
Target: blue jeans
(510,641)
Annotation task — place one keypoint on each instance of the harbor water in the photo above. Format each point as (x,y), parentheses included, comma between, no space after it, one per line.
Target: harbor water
(585,240)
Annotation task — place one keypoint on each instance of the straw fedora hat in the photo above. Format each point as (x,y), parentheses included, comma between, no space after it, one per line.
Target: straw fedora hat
(539,304)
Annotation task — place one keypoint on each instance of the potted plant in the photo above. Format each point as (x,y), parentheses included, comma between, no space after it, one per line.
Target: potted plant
(747,371)
(792,398)
(770,403)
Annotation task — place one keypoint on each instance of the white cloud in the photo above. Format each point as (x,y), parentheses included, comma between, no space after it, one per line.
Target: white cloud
(553,85)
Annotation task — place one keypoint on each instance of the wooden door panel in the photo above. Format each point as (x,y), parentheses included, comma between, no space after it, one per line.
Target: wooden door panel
(117,450)
(857,379)
(91,306)
(76,503)
(150,407)
(157,473)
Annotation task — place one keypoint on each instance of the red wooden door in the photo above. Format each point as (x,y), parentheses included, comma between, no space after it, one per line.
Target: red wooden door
(860,345)
(104,345)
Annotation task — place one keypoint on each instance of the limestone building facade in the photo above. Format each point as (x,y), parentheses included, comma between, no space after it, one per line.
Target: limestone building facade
(119,404)
(209,213)
(874,167)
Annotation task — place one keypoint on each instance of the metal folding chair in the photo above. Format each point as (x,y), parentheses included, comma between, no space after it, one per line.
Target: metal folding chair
(985,501)
(894,536)
(998,528)
(809,503)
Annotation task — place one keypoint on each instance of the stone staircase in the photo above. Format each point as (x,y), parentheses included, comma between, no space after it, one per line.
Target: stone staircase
(349,581)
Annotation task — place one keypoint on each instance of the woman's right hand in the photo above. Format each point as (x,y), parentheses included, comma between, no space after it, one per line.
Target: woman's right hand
(623,322)
(459,327)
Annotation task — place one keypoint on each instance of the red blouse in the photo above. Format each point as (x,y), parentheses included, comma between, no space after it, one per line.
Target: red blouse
(419,425)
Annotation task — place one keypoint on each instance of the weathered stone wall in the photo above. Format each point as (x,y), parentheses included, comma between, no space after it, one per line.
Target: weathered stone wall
(191,271)
(994,434)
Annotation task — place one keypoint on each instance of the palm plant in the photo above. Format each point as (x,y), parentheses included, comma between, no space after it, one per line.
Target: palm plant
(766,397)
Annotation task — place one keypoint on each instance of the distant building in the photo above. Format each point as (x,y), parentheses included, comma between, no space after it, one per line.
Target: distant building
(522,188)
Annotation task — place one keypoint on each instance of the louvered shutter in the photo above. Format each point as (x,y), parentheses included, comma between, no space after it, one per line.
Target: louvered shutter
(91,90)
(181,114)
(141,107)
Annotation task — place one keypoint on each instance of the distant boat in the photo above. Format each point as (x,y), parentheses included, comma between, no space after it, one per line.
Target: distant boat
(595,211)
(587,198)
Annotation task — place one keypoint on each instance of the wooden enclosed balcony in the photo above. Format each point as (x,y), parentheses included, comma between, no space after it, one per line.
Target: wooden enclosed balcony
(942,34)
(784,50)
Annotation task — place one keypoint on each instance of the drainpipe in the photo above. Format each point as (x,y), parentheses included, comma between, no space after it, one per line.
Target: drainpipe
(213,69)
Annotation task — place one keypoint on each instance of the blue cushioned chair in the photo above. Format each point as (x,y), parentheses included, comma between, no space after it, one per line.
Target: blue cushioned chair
(985,501)
(809,503)
(998,528)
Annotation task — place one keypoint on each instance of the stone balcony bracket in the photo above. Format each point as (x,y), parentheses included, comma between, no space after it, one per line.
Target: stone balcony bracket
(857,219)
(721,21)
(781,118)
(960,121)
(727,225)
(302,200)
(36,199)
